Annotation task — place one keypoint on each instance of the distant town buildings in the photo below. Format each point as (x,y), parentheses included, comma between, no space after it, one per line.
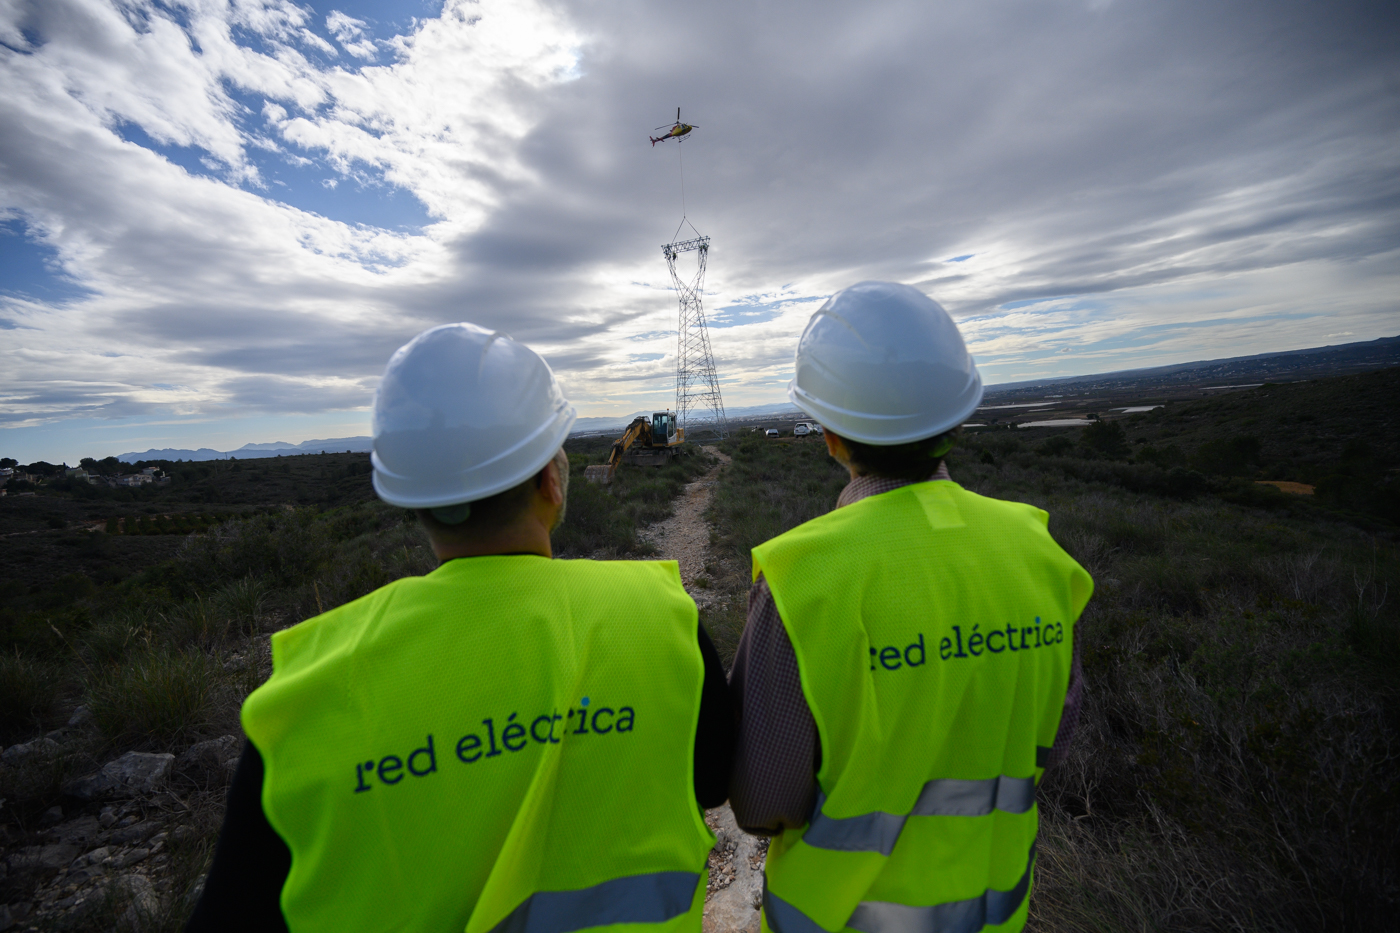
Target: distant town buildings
(9,475)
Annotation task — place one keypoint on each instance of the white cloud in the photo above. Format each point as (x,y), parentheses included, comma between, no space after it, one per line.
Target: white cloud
(1159,181)
(350,33)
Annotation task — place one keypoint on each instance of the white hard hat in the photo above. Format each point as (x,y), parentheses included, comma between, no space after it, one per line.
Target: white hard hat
(882,363)
(463,413)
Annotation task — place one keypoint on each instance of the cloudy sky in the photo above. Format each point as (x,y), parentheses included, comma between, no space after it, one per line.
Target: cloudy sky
(218,218)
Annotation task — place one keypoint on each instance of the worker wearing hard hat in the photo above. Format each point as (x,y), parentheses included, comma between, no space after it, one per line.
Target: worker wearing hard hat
(510,743)
(904,674)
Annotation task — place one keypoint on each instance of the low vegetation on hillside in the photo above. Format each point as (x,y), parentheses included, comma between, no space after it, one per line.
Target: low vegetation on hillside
(158,635)
(1235,767)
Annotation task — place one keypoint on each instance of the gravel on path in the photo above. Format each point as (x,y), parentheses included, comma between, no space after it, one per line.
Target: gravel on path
(685,536)
(736,862)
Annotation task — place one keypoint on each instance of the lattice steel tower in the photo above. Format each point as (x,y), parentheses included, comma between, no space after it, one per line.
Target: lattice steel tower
(697,386)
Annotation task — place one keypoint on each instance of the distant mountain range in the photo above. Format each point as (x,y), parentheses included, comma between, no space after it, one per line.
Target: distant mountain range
(335,445)
(1289,365)
(332,445)
(1285,366)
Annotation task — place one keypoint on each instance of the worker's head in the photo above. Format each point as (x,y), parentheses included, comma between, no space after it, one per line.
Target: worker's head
(883,368)
(915,461)
(468,429)
(542,500)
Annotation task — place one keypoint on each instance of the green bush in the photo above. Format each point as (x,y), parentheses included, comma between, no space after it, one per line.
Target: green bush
(595,521)
(156,696)
(240,603)
(605,519)
(29,688)
(189,624)
(1105,439)
(770,488)
(1228,456)
(110,639)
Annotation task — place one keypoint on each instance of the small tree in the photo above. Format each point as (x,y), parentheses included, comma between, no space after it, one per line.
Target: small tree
(1228,456)
(1106,439)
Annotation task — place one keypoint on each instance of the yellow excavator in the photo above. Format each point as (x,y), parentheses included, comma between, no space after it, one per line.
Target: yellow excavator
(645,442)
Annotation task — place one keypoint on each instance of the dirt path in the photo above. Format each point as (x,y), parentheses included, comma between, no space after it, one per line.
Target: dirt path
(685,536)
(736,862)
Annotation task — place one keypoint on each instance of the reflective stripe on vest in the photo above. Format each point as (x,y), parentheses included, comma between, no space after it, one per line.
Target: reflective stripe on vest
(966,916)
(653,898)
(879,831)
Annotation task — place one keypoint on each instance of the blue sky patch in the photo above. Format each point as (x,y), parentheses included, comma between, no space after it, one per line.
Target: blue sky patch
(30,268)
(301,180)
(1013,305)
(963,258)
(382,18)
(752,310)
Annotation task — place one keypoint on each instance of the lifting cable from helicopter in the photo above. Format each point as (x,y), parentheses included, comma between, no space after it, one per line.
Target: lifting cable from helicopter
(677,131)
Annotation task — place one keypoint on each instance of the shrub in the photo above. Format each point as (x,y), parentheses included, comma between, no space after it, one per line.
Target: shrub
(157,696)
(29,689)
(240,603)
(770,488)
(594,521)
(606,518)
(1229,456)
(108,640)
(1105,439)
(1056,446)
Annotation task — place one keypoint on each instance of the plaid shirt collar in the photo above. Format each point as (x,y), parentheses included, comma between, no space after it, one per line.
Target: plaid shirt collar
(864,486)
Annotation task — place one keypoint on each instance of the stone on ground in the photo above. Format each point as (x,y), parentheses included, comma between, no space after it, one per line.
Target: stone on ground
(130,775)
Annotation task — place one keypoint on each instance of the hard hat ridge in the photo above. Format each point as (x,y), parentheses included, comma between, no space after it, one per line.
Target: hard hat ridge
(461,414)
(884,364)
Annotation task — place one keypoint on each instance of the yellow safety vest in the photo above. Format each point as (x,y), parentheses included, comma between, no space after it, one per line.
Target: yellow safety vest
(933,631)
(502,746)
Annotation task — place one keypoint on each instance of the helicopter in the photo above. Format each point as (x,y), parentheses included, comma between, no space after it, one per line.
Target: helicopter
(677,130)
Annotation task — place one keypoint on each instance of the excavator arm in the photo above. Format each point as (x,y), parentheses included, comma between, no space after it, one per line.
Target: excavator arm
(639,429)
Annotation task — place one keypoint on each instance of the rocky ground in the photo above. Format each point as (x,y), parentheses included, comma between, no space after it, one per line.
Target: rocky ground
(736,863)
(110,856)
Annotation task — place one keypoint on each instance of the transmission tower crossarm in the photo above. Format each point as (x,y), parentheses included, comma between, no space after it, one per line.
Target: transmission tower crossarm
(671,250)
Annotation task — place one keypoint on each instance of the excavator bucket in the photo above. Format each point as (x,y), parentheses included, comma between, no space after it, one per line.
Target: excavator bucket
(598,473)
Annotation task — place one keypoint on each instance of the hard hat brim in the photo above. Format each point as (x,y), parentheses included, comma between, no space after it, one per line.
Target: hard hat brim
(542,445)
(892,429)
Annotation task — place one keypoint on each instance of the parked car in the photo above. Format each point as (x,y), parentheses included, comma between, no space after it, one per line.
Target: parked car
(801,429)
(771,432)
